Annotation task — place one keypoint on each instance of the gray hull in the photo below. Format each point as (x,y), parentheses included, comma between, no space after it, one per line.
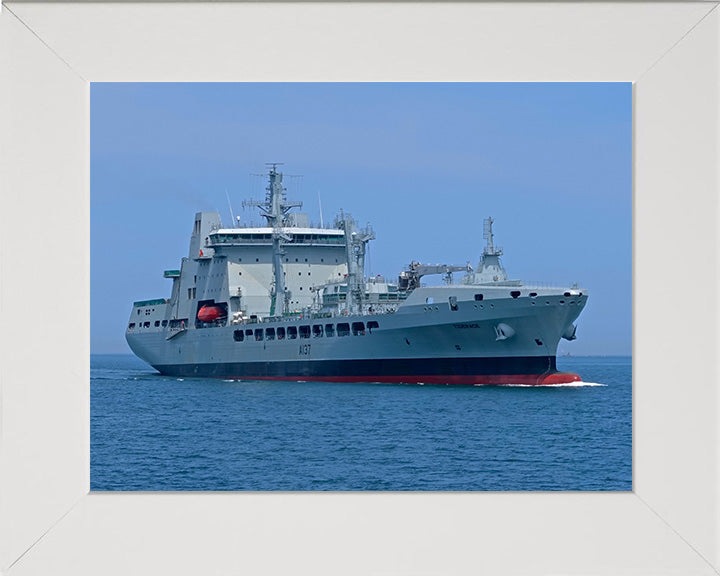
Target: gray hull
(417,343)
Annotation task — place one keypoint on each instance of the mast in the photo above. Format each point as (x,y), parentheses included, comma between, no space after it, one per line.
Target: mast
(274,209)
(490,266)
(489,236)
(355,247)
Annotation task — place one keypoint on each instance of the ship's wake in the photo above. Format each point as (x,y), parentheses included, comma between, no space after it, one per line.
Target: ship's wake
(578,384)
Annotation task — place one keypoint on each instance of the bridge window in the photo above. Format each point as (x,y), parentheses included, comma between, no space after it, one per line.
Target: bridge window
(164,322)
(146,325)
(329,330)
(281,333)
(292,332)
(258,334)
(304,331)
(478,297)
(131,325)
(238,335)
(317,330)
(372,324)
(157,323)
(269,333)
(358,329)
(343,329)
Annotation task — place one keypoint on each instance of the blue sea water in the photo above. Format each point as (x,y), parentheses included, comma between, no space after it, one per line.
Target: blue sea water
(153,432)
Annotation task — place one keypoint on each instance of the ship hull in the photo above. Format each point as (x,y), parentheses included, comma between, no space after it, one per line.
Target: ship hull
(413,345)
(532,370)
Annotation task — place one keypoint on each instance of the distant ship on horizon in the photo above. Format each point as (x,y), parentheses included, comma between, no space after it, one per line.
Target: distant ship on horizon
(290,301)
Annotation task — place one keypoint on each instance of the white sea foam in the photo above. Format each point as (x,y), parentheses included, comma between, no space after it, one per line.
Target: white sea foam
(565,385)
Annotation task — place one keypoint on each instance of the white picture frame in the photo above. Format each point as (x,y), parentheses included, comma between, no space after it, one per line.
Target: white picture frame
(50,523)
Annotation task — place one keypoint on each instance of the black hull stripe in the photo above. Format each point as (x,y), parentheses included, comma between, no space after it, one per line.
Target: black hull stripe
(308,369)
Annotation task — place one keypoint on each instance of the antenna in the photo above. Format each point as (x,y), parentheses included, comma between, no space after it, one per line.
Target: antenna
(274,165)
(232,216)
(490,249)
(320,204)
(276,206)
(487,230)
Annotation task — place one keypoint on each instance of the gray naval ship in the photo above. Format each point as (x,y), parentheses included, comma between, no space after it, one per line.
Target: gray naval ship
(290,301)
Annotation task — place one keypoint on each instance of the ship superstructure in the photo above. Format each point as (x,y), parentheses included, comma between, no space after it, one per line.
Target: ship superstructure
(289,300)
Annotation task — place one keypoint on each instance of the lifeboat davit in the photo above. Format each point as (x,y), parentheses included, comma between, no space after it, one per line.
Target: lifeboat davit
(210,313)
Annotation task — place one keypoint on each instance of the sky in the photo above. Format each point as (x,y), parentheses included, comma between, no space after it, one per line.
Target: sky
(423,163)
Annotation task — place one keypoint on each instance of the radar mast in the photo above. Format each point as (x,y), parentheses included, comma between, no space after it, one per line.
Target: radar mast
(274,209)
(488,235)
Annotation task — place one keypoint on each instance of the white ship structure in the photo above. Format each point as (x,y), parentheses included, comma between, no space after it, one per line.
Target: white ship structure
(290,301)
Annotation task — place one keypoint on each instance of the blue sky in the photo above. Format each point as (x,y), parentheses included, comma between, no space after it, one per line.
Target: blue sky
(423,163)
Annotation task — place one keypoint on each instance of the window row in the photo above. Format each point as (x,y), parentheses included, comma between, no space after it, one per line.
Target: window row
(305,331)
(147,324)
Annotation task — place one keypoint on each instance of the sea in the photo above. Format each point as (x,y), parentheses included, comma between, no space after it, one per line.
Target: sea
(152,433)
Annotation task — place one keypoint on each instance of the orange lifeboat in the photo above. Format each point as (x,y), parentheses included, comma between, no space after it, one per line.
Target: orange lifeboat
(210,313)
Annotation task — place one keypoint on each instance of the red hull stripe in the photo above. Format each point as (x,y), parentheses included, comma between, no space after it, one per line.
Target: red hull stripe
(490,380)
